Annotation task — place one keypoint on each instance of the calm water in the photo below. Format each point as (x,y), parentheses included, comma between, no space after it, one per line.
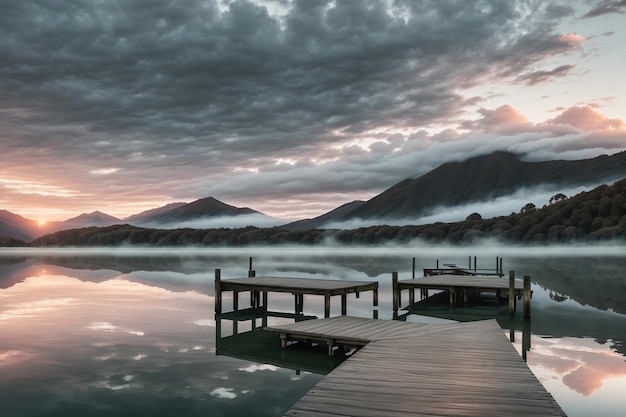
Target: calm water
(133,333)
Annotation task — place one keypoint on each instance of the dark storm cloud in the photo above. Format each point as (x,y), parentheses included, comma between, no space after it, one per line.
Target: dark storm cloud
(607,7)
(537,77)
(190,77)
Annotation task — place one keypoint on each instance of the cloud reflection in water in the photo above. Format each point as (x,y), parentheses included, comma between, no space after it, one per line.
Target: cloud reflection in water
(581,364)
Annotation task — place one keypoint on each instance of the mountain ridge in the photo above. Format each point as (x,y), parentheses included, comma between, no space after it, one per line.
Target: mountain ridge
(453,183)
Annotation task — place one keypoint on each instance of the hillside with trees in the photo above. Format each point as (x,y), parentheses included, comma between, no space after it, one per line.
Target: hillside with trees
(597,215)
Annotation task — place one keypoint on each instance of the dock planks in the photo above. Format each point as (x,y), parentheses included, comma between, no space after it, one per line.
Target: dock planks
(464,369)
(296,286)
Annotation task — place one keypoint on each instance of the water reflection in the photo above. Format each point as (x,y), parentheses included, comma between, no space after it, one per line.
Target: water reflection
(128,335)
(118,347)
(246,339)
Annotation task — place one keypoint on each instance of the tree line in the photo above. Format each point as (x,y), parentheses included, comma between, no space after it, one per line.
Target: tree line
(596,215)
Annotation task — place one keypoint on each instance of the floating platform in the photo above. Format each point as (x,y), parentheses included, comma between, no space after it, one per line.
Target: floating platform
(258,286)
(410,369)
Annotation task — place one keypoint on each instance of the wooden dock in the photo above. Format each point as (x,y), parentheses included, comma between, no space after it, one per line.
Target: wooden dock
(465,284)
(454,269)
(258,286)
(461,369)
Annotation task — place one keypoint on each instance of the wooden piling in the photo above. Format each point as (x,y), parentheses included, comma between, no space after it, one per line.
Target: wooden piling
(395,292)
(511,293)
(526,297)
(327,306)
(218,291)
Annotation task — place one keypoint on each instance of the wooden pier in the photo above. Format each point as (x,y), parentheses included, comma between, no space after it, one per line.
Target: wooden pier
(409,369)
(258,286)
(472,269)
(465,284)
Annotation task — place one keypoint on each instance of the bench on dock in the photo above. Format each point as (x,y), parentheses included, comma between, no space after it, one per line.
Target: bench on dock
(410,369)
(259,287)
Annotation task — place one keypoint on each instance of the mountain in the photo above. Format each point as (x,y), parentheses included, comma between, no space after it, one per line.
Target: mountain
(320,221)
(199,209)
(598,215)
(14,225)
(96,218)
(144,215)
(484,178)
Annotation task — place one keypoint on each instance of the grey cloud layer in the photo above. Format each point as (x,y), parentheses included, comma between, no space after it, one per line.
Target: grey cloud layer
(184,74)
(200,89)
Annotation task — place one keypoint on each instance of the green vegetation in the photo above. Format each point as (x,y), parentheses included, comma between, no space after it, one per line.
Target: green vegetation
(11,242)
(597,215)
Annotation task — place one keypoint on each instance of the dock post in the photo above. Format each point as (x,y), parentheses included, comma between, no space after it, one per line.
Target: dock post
(395,292)
(475,267)
(375,297)
(526,297)
(344,302)
(326,306)
(452,297)
(251,274)
(413,268)
(218,291)
(235,300)
(511,293)
(525,339)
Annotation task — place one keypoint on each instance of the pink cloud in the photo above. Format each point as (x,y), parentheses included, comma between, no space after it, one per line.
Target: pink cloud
(572,38)
(586,118)
(582,364)
(505,120)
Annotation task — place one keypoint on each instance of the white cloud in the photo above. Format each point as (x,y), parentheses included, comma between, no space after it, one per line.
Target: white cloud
(226,393)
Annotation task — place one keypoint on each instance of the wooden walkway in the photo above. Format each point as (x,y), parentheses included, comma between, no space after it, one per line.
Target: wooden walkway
(296,286)
(461,369)
(465,285)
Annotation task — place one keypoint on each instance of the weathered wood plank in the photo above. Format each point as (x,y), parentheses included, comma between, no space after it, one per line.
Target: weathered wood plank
(468,369)
(296,286)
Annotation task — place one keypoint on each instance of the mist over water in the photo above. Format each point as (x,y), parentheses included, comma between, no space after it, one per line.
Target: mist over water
(131,331)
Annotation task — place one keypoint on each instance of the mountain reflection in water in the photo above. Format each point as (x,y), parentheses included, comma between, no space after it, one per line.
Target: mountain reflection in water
(100,333)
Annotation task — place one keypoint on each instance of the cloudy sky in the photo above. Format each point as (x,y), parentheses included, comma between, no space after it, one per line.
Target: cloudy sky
(291,107)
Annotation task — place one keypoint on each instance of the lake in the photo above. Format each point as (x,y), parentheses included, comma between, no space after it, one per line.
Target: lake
(132,332)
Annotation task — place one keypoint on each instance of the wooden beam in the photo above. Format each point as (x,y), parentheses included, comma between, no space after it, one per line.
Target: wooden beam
(511,293)
(526,297)
(395,291)
(218,291)
(327,306)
